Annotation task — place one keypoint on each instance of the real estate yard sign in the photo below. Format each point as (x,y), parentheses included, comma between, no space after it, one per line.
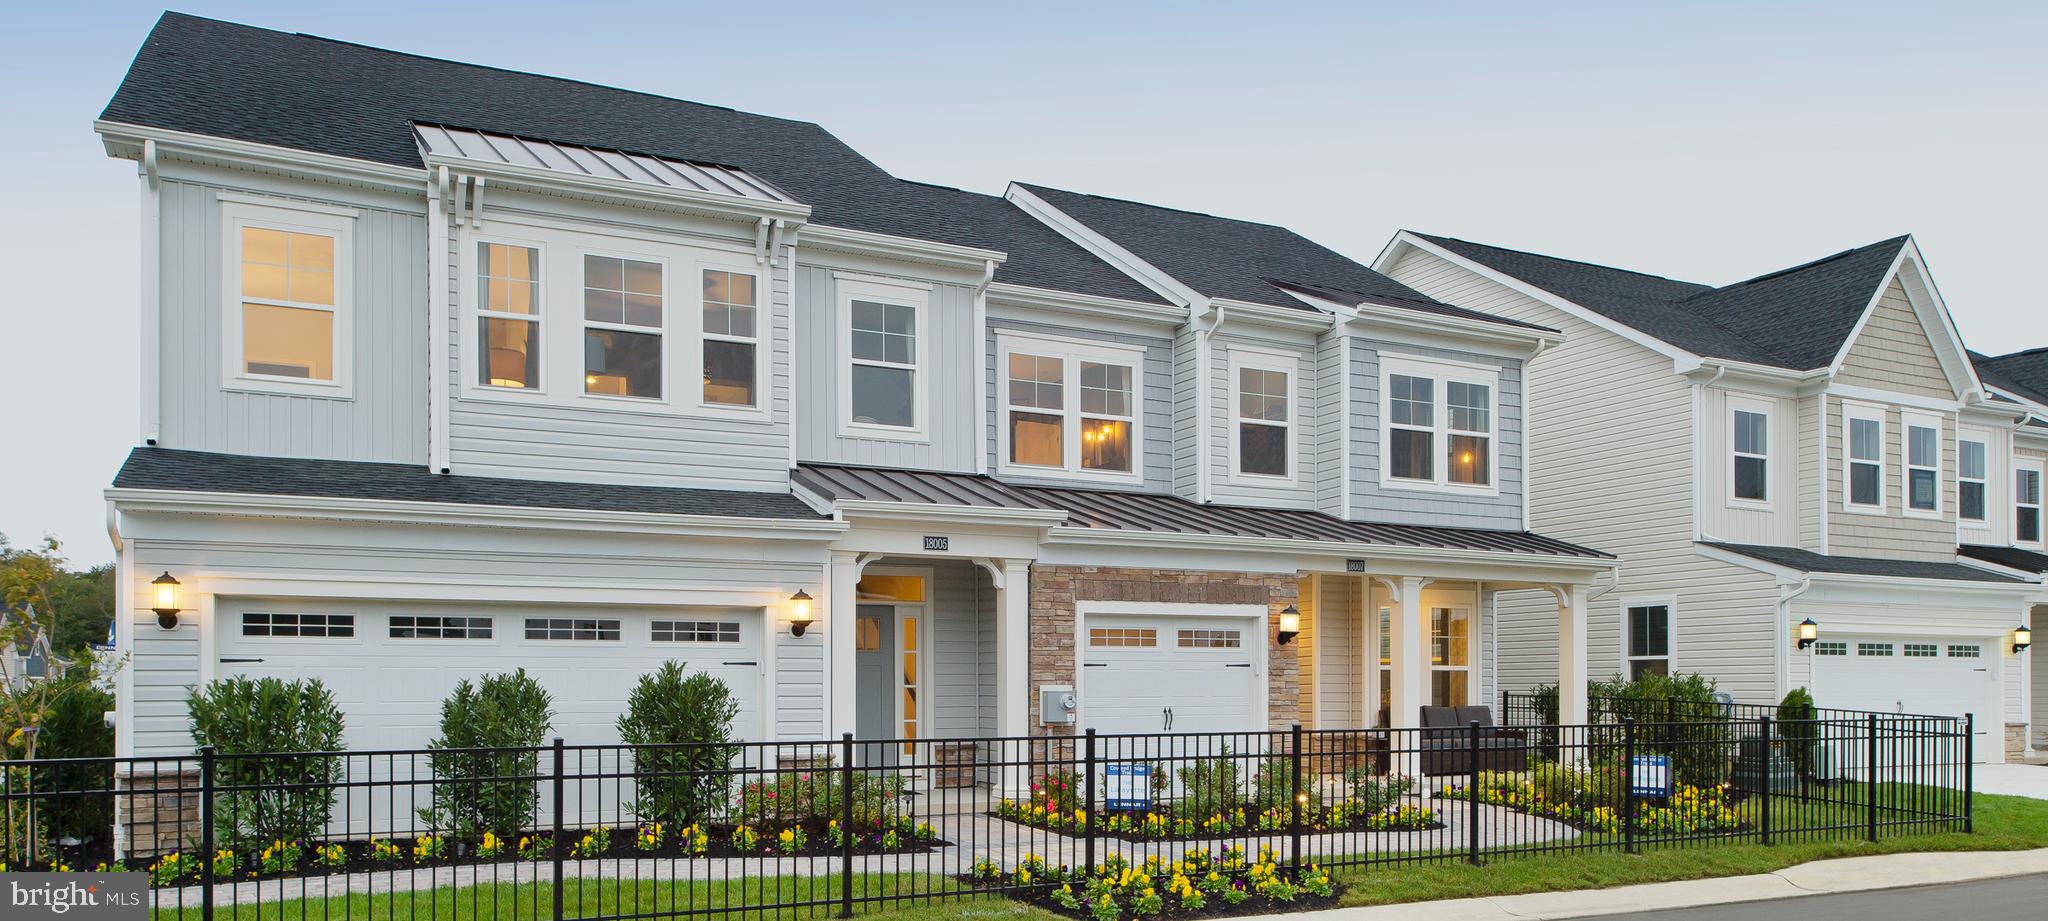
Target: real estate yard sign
(1127,786)
(1650,776)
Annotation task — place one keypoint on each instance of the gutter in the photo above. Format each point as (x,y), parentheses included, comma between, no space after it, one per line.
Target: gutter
(1181,540)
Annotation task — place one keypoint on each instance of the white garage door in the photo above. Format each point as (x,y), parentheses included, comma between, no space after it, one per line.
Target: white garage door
(1925,676)
(1170,674)
(390,669)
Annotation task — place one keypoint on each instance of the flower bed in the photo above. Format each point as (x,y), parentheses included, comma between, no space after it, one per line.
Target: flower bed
(1199,885)
(1582,800)
(1213,807)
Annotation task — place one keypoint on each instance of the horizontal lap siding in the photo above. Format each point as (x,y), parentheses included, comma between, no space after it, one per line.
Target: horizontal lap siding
(953,400)
(1894,534)
(384,420)
(1371,501)
(1611,460)
(1894,353)
(1721,521)
(1155,398)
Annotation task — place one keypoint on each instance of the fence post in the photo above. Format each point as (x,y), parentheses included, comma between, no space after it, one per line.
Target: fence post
(1294,798)
(1088,788)
(1870,814)
(206,842)
(1505,719)
(846,832)
(1969,773)
(1628,784)
(1472,794)
(1765,726)
(556,844)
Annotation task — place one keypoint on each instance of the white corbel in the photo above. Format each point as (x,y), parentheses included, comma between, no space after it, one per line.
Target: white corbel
(149,163)
(476,206)
(761,242)
(994,568)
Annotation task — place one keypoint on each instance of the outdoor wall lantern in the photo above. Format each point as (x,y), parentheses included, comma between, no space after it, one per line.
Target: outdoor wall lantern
(2022,638)
(1808,632)
(1290,624)
(800,613)
(164,600)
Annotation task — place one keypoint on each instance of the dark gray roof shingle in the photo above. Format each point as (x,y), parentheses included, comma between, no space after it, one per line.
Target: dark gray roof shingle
(1796,318)
(2023,373)
(200,471)
(1113,510)
(316,94)
(1809,561)
(2008,557)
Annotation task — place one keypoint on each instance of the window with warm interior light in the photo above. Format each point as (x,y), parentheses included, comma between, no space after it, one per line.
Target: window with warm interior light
(288,287)
(1439,424)
(508,315)
(1262,403)
(1068,407)
(1864,457)
(1450,656)
(1972,478)
(623,325)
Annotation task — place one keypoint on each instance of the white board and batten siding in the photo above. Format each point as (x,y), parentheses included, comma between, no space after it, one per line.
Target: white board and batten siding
(1154,383)
(382,418)
(1298,489)
(1500,508)
(1611,445)
(1187,434)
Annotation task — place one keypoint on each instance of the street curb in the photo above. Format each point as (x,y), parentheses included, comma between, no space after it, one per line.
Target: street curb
(1820,877)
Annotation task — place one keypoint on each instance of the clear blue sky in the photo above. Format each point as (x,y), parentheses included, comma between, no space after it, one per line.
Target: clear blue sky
(1705,141)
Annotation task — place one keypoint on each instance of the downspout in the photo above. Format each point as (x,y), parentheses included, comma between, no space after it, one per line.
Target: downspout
(1699,435)
(437,320)
(152,282)
(1529,436)
(124,641)
(795,366)
(1205,328)
(1781,653)
(981,382)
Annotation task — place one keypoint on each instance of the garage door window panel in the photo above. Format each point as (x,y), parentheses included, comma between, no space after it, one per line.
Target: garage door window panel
(439,627)
(572,628)
(695,631)
(285,624)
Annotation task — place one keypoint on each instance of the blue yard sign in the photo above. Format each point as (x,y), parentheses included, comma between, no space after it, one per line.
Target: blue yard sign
(1650,776)
(1127,787)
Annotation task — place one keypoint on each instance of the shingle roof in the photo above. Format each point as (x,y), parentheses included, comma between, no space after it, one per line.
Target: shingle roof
(1355,298)
(317,94)
(1112,510)
(2008,557)
(1795,318)
(2024,373)
(1809,561)
(1229,258)
(200,471)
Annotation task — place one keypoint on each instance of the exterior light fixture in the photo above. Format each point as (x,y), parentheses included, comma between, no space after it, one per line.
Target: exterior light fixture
(1808,632)
(164,600)
(800,613)
(2022,637)
(1290,624)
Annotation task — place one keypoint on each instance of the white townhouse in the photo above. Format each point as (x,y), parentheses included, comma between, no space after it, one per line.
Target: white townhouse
(1812,445)
(2007,538)
(450,370)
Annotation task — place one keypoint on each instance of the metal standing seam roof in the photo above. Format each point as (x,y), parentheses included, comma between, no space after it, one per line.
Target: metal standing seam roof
(595,162)
(1118,510)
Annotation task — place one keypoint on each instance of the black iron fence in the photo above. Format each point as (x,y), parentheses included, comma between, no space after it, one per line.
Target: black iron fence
(801,829)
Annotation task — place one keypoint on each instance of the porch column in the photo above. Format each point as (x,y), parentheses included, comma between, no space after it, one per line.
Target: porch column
(839,630)
(1013,643)
(1410,653)
(1571,654)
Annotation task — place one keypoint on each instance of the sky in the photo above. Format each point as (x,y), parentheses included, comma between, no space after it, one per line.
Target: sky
(1709,142)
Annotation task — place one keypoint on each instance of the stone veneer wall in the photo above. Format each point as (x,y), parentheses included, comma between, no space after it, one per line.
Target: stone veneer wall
(1056,589)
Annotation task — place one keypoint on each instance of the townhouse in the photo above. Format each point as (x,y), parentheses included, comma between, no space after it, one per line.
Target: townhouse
(450,370)
(2007,538)
(1810,480)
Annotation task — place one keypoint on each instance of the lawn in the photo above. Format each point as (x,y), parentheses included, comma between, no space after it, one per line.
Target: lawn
(2002,822)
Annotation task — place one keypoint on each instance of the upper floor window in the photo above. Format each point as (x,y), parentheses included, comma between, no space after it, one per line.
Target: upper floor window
(732,338)
(1972,478)
(2026,497)
(287,317)
(623,327)
(1923,465)
(1865,456)
(1440,423)
(882,335)
(508,315)
(1068,406)
(1749,452)
(1262,404)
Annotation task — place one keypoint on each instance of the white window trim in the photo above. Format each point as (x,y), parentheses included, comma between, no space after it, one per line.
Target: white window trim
(2022,463)
(918,298)
(562,248)
(1978,436)
(1071,353)
(237,213)
(1768,410)
(1442,372)
(1670,605)
(1875,414)
(1907,422)
(1244,357)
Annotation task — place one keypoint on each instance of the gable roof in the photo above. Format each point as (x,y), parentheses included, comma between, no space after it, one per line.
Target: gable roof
(308,93)
(1796,318)
(2023,373)
(1234,259)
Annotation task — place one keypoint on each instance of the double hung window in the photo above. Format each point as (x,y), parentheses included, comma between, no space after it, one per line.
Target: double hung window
(1262,406)
(1923,465)
(1972,478)
(287,290)
(508,315)
(1649,640)
(622,326)
(732,338)
(2026,497)
(882,379)
(1749,452)
(1440,424)
(1864,481)
(1069,407)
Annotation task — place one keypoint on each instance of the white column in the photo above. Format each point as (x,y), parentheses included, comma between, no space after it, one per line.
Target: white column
(1013,644)
(839,630)
(1410,653)
(1571,655)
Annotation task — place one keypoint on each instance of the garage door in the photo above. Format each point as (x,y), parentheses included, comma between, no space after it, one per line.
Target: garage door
(1170,674)
(390,669)
(1918,675)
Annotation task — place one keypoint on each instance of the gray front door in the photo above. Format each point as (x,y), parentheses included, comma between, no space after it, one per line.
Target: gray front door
(875,682)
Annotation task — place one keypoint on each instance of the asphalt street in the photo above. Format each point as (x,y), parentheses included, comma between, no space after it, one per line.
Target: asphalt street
(2015,897)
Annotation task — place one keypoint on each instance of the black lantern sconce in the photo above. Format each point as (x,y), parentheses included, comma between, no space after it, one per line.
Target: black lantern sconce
(164,600)
(800,612)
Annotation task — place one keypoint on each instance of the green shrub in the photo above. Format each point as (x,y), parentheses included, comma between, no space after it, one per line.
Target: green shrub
(1796,715)
(287,795)
(77,728)
(1273,785)
(687,783)
(489,791)
(1375,793)
(1211,786)
(814,796)
(1676,716)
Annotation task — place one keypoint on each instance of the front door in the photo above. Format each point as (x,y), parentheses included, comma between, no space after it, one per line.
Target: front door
(874,661)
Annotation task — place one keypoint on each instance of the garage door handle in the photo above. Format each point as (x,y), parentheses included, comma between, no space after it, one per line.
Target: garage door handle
(233,661)
(739,663)
(1095,665)
(1237,665)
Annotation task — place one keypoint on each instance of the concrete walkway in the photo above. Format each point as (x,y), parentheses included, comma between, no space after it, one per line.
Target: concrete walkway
(2013,779)
(1848,874)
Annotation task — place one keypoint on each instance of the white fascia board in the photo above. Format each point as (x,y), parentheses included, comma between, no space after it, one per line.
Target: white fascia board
(245,505)
(1995,568)
(1925,298)
(1431,329)
(1144,273)
(891,246)
(1593,317)
(125,141)
(624,191)
(2024,403)
(1784,380)
(960,514)
(1268,316)
(1085,305)
(1225,542)
(1787,575)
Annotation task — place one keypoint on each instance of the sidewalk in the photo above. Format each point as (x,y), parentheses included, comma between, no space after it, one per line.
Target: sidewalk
(1848,874)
